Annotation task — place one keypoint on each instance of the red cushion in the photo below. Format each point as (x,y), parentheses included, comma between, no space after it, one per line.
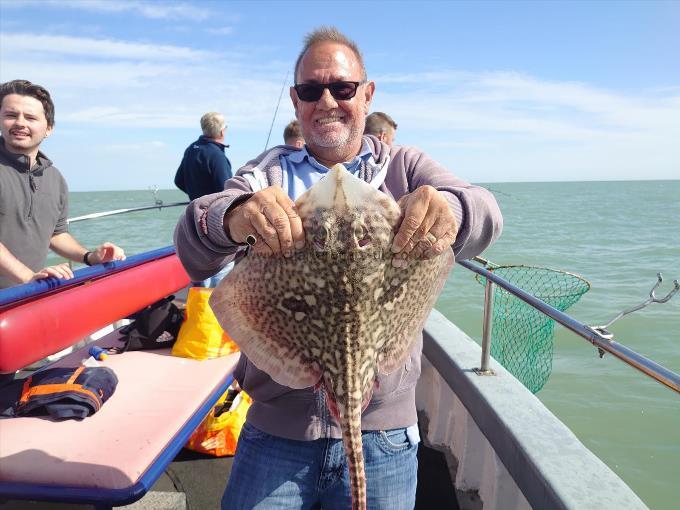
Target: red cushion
(46,325)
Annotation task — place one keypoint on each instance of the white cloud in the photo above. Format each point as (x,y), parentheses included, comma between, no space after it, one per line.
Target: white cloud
(220,30)
(508,126)
(154,9)
(67,46)
(119,83)
(497,126)
(510,103)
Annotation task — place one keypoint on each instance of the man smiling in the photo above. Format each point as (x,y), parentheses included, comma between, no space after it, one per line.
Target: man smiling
(33,193)
(290,452)
(333,126)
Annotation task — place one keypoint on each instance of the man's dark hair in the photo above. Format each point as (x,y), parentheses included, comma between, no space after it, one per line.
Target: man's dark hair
(26,88)
(292,130)
(329,34)
(379,122)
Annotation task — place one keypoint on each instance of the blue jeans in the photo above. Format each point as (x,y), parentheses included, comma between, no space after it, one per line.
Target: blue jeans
(270,472)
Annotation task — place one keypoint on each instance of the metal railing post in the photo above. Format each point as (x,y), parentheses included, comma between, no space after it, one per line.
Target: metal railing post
(487,326)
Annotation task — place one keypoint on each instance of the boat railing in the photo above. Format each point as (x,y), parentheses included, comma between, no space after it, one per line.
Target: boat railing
(598,337)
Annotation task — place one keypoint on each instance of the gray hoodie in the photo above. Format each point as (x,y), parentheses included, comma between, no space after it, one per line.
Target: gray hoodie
(204,247)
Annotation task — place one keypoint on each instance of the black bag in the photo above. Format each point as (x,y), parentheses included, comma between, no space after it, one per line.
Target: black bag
(59,392)
(155,327)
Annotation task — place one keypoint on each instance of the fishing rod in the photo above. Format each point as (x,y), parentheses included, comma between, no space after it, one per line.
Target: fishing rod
(285,80)
(123,211)
(158,204)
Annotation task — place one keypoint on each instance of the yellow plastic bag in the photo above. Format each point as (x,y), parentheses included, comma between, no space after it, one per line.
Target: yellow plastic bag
(218,433)
(201,336)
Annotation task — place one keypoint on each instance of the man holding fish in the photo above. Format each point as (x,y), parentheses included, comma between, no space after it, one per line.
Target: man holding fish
(314,255)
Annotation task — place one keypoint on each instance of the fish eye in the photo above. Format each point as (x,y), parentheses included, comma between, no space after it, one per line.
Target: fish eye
(362,235)
(321,237)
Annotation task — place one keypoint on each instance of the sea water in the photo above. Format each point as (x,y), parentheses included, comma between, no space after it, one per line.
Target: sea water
(617,235)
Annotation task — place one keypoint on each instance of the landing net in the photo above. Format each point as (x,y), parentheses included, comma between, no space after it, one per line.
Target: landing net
(522,337)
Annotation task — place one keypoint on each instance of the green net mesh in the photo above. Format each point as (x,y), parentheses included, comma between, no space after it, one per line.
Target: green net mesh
(522,337)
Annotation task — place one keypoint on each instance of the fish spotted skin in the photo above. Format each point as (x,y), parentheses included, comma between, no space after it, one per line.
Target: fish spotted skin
(337,313)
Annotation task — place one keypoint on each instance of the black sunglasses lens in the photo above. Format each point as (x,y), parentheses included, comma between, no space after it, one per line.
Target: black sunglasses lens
(343,90)
(340,90)
(309,92)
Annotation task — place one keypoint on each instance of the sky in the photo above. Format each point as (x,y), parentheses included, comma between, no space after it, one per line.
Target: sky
(495,91)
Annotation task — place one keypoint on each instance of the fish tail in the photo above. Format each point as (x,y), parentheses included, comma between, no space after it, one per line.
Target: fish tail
(351,436)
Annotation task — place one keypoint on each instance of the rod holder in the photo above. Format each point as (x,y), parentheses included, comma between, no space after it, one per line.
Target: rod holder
(652,299)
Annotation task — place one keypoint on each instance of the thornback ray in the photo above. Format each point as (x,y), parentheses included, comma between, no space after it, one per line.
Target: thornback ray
(337,313)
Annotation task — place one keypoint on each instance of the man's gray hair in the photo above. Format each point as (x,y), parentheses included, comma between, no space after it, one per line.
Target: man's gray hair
(329,34)
(212,123)
(378,123)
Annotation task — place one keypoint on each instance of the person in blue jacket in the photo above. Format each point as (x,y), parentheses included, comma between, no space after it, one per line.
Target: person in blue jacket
(205,167)
(203,171)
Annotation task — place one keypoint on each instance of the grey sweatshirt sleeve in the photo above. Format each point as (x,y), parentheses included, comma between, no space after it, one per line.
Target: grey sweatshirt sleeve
(62,221)
(479,218)
(200,240)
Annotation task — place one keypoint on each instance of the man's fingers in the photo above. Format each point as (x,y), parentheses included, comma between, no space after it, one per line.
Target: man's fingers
(40,275)
(270,216)
(264,232)
(444,233)
(414,214)
(117,252)
(108,252)
(278,218)
(297,231)
(65,270)
(444,243)
(428,226)
(286,222)
(59,271)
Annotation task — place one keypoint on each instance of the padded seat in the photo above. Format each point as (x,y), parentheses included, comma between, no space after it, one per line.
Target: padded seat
(114,456)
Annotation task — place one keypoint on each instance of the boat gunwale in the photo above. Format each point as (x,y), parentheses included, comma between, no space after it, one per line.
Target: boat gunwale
(538,467)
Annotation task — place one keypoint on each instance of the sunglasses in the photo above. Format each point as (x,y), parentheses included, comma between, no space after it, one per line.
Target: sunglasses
(340,90)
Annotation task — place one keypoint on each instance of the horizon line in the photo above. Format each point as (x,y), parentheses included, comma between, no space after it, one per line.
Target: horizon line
(475,182)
